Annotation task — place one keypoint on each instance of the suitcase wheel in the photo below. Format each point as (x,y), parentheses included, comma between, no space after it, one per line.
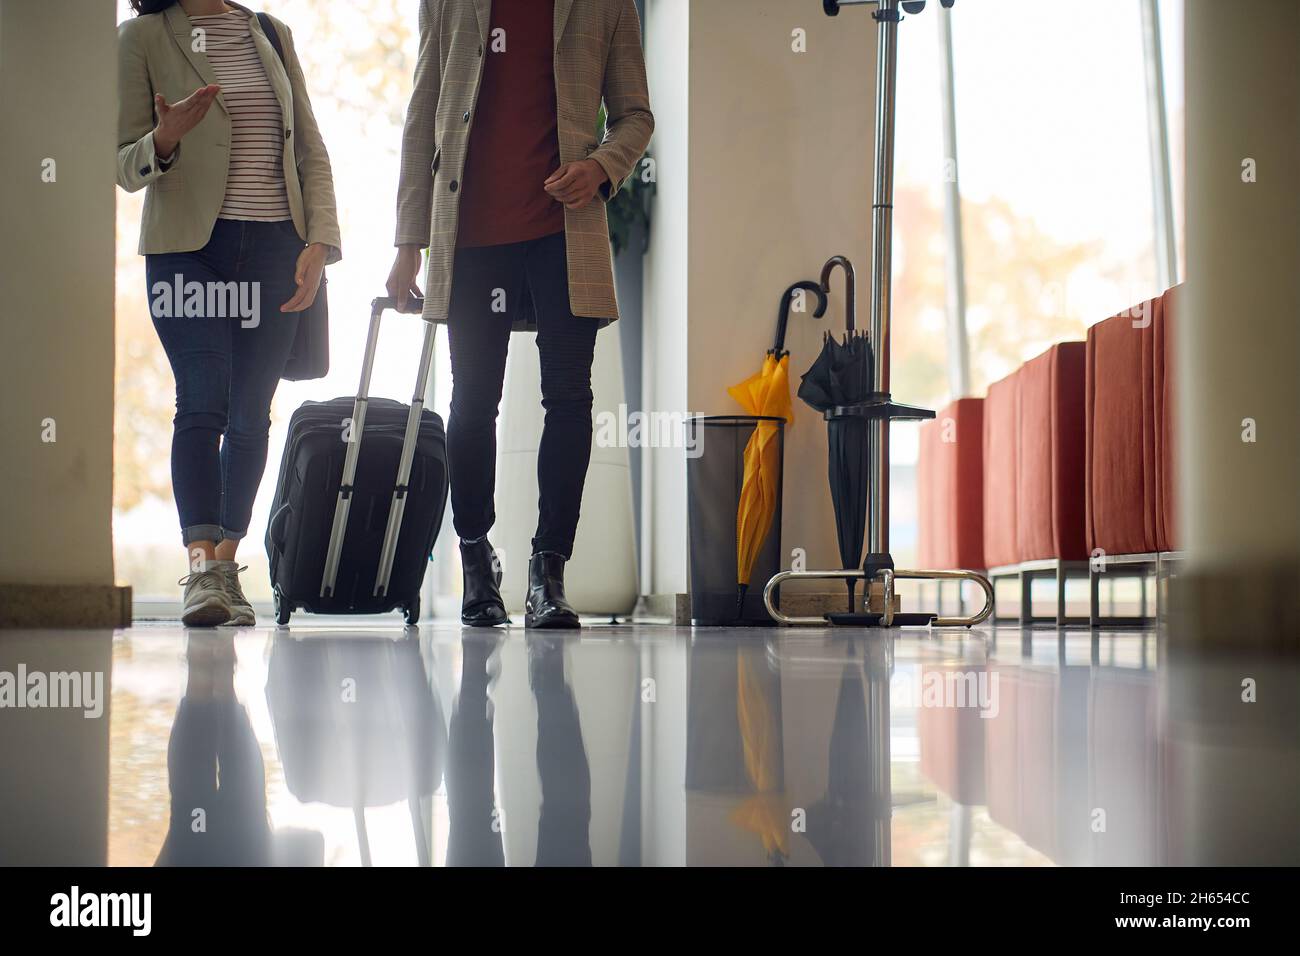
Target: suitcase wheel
(412,611)
(283,609)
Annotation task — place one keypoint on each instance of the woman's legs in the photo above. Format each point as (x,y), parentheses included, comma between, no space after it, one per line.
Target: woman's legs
(259,349)
(199,351)
(198,347)
(217,314)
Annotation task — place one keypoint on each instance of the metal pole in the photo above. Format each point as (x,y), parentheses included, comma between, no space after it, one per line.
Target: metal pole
(882,210)
(334,550)
(958,341)
(1162,194)
(397,509)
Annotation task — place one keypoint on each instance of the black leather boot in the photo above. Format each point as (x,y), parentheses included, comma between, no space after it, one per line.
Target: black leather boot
(481,604)
(546,605)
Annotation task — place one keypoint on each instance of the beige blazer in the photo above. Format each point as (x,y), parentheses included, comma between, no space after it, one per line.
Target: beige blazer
(155,55)
(597,56)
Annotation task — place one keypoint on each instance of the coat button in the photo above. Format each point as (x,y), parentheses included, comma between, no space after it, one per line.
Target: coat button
(466,116)
(287,132)
(144,170)
(453,185)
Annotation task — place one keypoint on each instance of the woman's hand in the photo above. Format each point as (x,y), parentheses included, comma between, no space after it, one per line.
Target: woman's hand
(177,120)
(311,266)
(575,184)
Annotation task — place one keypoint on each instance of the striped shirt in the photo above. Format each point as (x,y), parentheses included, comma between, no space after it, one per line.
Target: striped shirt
(255,181)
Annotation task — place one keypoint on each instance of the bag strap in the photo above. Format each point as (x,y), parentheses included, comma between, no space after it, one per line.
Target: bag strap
(268,27)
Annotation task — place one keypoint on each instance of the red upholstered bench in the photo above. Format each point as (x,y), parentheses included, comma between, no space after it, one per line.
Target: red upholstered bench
(1163,375)
(1167,538)
(1121,434)
(1050,473)
(950,491)
(1001,464)
(1123,422)
(1050,476)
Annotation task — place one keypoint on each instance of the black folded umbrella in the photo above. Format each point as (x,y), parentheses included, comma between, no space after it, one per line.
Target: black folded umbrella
(841,375)
(847,471)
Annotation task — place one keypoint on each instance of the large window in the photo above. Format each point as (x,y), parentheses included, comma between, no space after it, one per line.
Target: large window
(1056,189)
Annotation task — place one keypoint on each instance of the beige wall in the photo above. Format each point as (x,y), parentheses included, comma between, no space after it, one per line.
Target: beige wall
(58,83)
(1240,356)
(769,153)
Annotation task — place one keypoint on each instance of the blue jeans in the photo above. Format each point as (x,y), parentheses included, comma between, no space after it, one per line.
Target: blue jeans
(227,342)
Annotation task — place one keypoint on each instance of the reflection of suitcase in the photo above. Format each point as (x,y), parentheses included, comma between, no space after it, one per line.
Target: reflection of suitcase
(358,724)
(377,467)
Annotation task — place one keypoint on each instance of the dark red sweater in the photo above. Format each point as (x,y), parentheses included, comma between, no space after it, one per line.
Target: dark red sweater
(513,143)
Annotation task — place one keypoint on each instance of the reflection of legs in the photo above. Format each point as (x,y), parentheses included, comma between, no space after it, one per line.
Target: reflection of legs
(191,778)
(214,768)
(566,343)
(563,826)
(479,339)
(472,838)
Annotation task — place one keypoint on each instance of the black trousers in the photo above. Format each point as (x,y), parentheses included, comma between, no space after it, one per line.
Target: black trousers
(488,287)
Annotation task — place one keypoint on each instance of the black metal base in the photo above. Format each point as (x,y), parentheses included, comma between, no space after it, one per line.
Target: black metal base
(901,619)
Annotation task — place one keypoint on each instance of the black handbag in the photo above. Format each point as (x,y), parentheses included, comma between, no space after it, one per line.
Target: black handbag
(310,355)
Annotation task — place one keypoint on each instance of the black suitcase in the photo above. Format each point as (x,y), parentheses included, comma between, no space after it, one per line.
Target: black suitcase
(353,522)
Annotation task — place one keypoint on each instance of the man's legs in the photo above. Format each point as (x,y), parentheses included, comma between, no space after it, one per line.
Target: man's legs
(567,343)
(485,291)
(484,279)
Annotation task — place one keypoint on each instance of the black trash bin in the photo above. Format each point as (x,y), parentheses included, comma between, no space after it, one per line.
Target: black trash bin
(715,472)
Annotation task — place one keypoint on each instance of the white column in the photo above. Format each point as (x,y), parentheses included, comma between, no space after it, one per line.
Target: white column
(1239,341)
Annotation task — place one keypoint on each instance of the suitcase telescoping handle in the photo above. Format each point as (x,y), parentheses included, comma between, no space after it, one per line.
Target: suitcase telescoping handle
(338,529)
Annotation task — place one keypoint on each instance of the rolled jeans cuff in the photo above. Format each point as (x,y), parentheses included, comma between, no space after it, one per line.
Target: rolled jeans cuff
(201,532)
(228,535)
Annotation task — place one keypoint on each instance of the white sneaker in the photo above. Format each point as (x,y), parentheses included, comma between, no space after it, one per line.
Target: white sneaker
(206,604)
(241,612)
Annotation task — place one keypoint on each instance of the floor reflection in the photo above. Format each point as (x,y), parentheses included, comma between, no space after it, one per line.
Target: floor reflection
(648,746)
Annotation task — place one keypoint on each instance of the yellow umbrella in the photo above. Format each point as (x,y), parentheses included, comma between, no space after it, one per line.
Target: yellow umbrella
(767,394)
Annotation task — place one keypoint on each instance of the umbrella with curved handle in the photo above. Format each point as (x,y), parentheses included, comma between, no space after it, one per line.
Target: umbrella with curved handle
(765,394)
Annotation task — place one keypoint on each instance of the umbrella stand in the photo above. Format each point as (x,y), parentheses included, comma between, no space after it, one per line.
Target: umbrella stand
(879,409)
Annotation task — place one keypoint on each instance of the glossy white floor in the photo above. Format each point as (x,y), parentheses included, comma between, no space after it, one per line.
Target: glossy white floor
(625,745)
